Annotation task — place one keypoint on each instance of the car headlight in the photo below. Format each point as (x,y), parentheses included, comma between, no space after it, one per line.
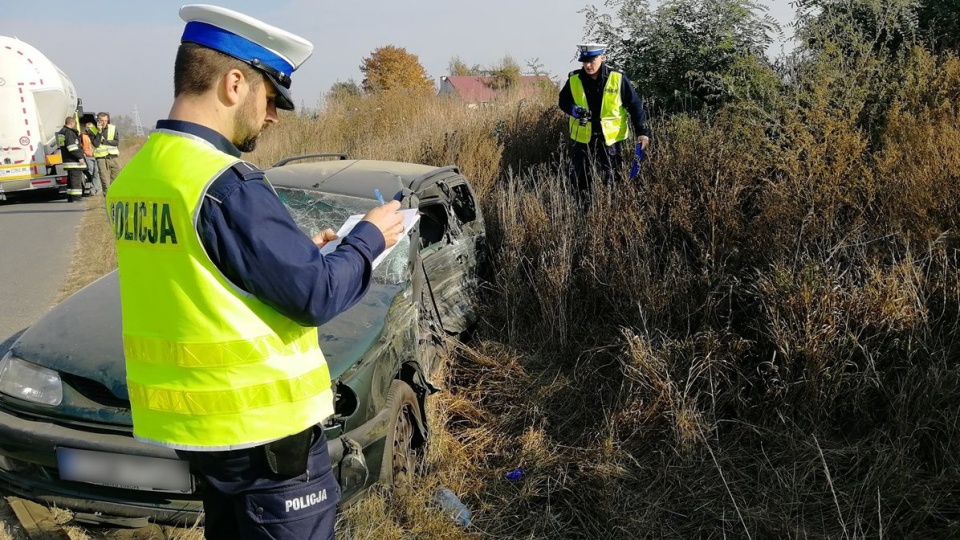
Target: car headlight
(30,382)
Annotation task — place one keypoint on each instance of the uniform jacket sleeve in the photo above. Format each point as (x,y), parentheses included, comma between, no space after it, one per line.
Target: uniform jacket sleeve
(71,139)
(252,238)
(634,106)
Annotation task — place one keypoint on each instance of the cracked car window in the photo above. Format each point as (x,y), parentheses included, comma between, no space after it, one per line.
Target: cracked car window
(315,211)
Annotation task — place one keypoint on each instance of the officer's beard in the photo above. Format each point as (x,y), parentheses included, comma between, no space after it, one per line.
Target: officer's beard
(245,127)
(248,145)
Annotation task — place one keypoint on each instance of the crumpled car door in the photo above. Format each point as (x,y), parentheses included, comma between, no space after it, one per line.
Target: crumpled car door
(451,229)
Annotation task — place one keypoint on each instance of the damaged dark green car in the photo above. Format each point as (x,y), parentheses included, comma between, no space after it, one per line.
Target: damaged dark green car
(65,427)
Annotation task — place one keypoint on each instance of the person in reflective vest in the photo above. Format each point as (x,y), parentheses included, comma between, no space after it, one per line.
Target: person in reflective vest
(221,293)
(106,150)
(73,164)
(92,172)
(598,100)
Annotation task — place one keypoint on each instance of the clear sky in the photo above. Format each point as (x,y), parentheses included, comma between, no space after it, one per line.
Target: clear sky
(120,53)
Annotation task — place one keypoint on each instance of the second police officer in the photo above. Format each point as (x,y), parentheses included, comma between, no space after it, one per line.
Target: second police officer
(599,101)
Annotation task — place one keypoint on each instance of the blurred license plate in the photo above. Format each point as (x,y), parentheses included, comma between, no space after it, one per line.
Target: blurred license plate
(123,471)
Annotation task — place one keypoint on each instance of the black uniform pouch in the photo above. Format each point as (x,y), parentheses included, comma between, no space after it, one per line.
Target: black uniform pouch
(288,456)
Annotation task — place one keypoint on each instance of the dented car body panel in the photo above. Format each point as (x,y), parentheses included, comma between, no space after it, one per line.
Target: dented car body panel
(427,286)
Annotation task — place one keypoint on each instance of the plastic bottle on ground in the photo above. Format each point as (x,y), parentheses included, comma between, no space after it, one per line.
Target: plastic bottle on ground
(452,506)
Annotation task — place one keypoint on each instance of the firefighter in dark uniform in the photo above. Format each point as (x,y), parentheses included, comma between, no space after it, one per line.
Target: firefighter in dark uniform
(598,100)
(221,292)
(68,138)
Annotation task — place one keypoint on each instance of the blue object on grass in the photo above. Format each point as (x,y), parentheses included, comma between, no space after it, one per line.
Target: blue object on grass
(515,475)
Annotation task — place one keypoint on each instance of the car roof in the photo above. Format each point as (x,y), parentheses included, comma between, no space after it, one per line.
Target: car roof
(350,177)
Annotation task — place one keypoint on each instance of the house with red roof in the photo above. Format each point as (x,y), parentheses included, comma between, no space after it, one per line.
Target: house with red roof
(479,91)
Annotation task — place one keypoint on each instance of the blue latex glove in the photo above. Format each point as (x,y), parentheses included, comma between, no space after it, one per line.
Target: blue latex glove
(637,158)
(578,111)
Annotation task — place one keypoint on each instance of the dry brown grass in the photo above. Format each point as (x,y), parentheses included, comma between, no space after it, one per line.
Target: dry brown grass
(94,255)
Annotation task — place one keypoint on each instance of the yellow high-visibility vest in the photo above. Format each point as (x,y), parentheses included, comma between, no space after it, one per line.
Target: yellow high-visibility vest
(209,367)
(613,116)
(105,150)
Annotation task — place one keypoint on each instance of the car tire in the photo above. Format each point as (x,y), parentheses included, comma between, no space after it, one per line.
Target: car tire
(402,455)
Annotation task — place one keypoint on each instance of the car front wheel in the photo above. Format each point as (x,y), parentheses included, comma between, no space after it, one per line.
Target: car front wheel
(403,449)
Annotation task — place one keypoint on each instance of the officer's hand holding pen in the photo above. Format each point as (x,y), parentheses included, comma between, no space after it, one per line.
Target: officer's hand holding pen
(388,220)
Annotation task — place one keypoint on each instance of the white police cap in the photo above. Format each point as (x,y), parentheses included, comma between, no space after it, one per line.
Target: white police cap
(589,51)
(275,52)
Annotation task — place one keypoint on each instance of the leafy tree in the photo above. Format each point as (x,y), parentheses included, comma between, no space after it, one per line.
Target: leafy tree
(857,54)
(341,90)
(883,24)
(393,68)
(853,27)
(535,67)
(459,68)
(939,22)
(506,74)
(690,54)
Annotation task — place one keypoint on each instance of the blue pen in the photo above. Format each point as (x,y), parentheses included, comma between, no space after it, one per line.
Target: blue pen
(379,196)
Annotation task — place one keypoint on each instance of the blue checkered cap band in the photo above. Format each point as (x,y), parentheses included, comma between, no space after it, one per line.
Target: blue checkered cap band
(236,46)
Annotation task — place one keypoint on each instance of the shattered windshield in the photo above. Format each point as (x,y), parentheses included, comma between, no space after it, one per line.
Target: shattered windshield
(314,211)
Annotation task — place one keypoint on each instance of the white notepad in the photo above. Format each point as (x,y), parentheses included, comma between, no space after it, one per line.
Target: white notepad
(410,218)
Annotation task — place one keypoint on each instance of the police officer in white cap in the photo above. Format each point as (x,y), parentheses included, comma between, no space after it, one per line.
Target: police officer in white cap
(221,293)
(598,100)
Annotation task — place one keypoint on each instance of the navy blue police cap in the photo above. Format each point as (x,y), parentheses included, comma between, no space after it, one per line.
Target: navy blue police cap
(588,51)
(275,52)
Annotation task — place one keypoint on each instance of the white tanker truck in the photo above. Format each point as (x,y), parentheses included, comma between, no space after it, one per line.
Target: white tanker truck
(35,98)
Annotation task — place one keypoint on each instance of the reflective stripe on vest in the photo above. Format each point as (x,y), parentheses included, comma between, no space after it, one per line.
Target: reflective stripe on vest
(613,116)
(209,367)
(112,134)
(105,150)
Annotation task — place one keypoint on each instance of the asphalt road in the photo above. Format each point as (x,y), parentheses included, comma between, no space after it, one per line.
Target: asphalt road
(36,244)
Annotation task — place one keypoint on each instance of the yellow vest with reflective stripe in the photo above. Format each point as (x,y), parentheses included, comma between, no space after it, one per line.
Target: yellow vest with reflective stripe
(613,116)
(105,150)
(209,367)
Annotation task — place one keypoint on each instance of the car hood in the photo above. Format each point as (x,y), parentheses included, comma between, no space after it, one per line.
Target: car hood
(82,335)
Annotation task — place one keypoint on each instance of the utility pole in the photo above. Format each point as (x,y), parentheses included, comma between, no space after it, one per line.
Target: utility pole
(136,120)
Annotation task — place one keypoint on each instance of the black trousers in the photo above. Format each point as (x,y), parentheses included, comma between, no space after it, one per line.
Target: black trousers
(74,184)
(595,160)
(245,500)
